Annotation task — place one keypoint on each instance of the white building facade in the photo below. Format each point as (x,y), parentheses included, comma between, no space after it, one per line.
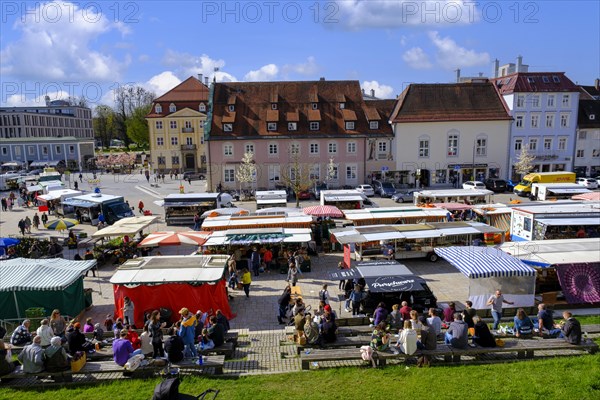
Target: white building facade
(447,134)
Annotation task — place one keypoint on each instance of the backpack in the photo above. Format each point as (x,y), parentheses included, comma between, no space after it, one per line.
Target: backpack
(167,390)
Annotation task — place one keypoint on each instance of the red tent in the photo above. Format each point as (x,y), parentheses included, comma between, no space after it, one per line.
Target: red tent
(172,282)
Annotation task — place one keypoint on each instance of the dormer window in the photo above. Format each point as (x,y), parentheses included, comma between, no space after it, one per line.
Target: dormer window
(342,106)
(273,106)
(231,108)
(555,79)
(172,108)
(349,125)
(227,127)
(272,126)
(592,117)
(545,79)
(292,126)
(531,79)
(202,107)
(158,109)
(314,126)
(315,106)
(373,124)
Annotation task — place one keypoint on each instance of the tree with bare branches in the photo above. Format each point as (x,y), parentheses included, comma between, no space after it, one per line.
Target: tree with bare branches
(246,172)
(298,175)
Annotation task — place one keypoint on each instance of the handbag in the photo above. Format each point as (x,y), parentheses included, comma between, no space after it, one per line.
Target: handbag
(240,285)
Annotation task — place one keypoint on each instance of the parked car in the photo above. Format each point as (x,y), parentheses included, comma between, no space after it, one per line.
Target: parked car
(193,176)
(473,185)
(510,185)
(384,189)
(419,299)
(589,183)
(367,190)
(304,195)
(496,185)
(404,196)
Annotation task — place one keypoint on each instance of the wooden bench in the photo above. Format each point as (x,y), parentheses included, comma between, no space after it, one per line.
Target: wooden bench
(101,367)
(352,321)
(381,356)
(62,376)
(229,336)
(342,341)
(296,293)
(227,349)
(356,330)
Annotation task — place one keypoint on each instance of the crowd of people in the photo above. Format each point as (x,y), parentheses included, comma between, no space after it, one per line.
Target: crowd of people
(57,341)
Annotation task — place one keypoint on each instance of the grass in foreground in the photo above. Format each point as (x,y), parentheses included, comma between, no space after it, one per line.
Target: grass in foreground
(575,377)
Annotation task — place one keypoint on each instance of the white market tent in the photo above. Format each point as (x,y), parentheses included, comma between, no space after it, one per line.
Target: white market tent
(127,226)
(544,253)
(57,194)
(225,211)
(264,235)
(406,214)
(223,222)
(489,269)
(47,283)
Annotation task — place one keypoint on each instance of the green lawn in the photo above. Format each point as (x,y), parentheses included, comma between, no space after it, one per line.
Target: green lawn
(576,378)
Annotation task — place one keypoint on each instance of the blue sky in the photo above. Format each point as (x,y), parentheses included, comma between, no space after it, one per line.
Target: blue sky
(87,48)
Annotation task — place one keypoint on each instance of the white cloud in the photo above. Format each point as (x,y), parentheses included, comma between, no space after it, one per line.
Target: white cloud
(450,55)
(265,73)
(162,83)
(358,14)
(416,58)
(187,65)
(308,68)
(381,91)
(21,100)
(58,45)
(143,58)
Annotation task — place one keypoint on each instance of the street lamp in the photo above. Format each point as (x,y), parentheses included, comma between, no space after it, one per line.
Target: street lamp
(473,168)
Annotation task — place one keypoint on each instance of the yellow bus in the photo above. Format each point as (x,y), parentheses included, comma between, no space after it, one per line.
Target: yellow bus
(524,187)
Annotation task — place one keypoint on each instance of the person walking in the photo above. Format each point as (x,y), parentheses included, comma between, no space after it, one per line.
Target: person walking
(496,301)
(255,261)
(141,207)
(292,275)
(44,219)
(80,177)
(36,221)
(4,204)
(21,226)
(27,221)
(246,281)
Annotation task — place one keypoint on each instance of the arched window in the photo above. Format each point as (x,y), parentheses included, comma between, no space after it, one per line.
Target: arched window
(202,107)
(158,109)
(172,108)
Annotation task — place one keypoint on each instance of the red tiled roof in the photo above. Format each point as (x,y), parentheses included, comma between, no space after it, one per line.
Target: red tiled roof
(527,82)
(188,94)
(294,104)
(450,102)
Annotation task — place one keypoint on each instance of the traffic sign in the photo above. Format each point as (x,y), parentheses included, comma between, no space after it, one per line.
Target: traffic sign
(384,168)
(457,167)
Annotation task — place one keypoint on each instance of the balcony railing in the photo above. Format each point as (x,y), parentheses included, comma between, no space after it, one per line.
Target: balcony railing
(188,147)
(187,130)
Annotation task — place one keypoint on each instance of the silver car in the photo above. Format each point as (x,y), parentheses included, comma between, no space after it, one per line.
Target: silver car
(403,197)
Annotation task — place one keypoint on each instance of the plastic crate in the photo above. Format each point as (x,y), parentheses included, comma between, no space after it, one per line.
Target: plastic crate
(35,315)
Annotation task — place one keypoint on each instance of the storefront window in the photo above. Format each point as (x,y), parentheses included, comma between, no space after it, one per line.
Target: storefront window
(440,176)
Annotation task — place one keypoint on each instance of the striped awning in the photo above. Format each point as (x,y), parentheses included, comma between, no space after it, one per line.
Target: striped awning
(484,262)
(41,274)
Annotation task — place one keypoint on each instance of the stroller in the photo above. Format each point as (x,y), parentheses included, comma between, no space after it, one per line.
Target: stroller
(169,390)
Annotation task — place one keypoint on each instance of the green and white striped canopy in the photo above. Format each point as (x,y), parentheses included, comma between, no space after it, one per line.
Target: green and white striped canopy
(41,274)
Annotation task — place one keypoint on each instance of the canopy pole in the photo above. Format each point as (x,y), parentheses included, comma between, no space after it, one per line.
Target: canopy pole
(16,304)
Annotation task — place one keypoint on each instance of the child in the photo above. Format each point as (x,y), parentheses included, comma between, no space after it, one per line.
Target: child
(108,323)
(98,332)
(233,280)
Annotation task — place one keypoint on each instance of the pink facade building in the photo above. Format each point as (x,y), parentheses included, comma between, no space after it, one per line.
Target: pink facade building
(324,129)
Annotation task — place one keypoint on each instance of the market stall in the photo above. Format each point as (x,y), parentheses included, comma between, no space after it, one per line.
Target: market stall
(394,215)
(224,222)
(46,283)
(489,269)
(571,266)
(172,282)
(130,226)
(241,241)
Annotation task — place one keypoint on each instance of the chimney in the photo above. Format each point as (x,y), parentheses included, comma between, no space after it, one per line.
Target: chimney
(496,67)
(481,74)
(597,84)
(47,100)
(206,80)
(519,63)
(199,77)
(363,91)
(457,75)
(322,78)
(372,92)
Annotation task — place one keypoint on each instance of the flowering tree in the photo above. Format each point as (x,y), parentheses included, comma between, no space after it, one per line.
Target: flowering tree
(246,172)
(524,162)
